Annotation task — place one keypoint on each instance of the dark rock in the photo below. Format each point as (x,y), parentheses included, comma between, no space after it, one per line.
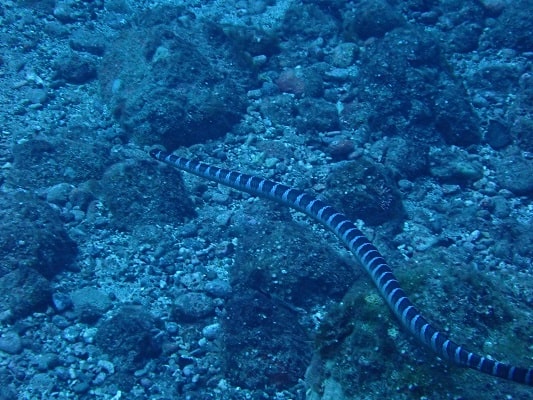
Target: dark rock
(498,135)
(218,288)
(81,387)
(90,304)
(61,301)
(513,28)
(10,343)
(130,335)
(316,115)
(454,166)
(41,162)
(414,94)
(465,37)
(514,174)
(44,6)
(81,198)
(371,18)
(7,392)
(153,196)
(68,11)
(521,130)
(179,87)
(365,190)
(191,307)
(455,119)
(87,42)
(22,292)
(185,360)
(301,271)
(272,342)
(75,69)
(33,236)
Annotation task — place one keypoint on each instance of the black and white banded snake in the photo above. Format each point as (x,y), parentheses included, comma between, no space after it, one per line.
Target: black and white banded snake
(365,252)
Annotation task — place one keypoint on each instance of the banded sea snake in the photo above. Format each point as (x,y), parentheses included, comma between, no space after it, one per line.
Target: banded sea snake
(365,252)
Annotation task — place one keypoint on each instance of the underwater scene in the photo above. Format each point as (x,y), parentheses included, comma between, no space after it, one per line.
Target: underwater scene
(266,199)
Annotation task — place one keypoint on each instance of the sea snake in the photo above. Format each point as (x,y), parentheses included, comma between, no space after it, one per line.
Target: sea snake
(367,254)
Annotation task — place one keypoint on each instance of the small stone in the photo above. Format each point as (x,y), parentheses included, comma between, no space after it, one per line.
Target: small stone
(61,301)
(191,307)
(514,174)
(224,218)
(89,334)
(99,378)
(259,60)
(90,303)
(344,55)
(106,365)
(220,198)
(498,135)
(271,162)
(218,288)
(71,334)
(10,343)
(211,332)
(146,383)
(60,321)
(47,361)
(62,373)
(172,327)
(58,194)
(80,387)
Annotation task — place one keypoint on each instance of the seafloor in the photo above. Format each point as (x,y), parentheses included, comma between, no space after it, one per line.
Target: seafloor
(121,278)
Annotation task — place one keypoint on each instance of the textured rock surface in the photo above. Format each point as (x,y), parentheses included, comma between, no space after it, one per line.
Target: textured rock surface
(171,80)
(33,236)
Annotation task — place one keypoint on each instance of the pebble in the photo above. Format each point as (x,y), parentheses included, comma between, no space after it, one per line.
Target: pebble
(190,307)
(224,218)
(107,366)
(62,373)
(58,194)
(80,387)
(211,332)
(60,321)
(47,361)
(220,198)
(61,301)
(146,383)
(171,327)
(271,162)
(71,333)
(99,378)
(188,370)
(514,174)
(89,334)
(41,383)
(218,288)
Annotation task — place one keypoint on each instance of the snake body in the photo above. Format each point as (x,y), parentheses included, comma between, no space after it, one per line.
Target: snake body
(367,254)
